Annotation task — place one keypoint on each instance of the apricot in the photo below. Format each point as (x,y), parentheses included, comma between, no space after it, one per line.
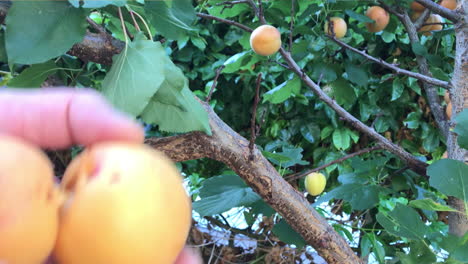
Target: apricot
(432,19)
(315,183)
(339,27)
(265,40)
(380,16)
(448,110)
(415,6)
(450,4)
(446,97)
(29,203)
(125,203)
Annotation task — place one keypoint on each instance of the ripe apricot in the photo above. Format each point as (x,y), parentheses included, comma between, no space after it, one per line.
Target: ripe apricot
(265,40)
(446,97)
(29,203)
(450,4)
(448,110)
(339,27)
(125,204)
(380,16)
(432,21)
(415,6)
(315,183)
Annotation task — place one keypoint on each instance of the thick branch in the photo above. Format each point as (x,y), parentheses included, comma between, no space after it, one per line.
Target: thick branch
(230,148)
(398,70)
(433,97)
(438,9)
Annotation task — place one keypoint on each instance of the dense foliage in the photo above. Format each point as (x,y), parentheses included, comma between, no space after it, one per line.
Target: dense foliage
(386,211)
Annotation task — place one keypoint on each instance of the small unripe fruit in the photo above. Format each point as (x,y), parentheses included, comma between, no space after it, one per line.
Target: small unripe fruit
(126,204)
(315,183)
(415,6)
(339,27)
(450,4)
(265,40)
(29,203)
(448,110)
(380,16)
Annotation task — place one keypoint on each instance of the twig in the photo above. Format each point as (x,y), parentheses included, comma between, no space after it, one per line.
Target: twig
(97,27)
(390,9)
(215,81)
(431,91)
(253,130)
(438,9)
(296,176)
(226,21)
(291,25)
(398,70)
(134,21)
(260,12)
(421,19)
(232,3)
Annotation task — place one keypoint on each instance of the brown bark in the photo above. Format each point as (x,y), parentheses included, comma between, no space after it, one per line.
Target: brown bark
(227,146)
(459,97)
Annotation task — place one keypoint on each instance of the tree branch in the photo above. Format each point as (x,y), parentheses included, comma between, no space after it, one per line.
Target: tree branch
(431,91)
(228,147)
(438,9)
(296,176)
(398,70)
(226,21)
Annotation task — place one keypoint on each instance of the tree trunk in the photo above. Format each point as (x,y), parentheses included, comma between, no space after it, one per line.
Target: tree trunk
(458,223)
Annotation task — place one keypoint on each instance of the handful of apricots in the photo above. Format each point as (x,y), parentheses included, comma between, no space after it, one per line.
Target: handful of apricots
(118,203)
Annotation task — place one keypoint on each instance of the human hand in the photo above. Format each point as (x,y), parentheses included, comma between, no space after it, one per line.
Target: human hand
(57,118)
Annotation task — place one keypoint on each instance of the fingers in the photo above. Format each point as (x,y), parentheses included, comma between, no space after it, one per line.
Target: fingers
(189,256)
(60,117)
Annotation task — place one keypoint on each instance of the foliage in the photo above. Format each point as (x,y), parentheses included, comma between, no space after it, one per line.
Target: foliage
(384,210)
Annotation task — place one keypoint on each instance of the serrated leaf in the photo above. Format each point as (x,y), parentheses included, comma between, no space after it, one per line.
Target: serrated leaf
(234,62)
(449,177)
(288,235)
(397,89)
(97,3)
(461,128)
(403,221)
(341,139)
(221,193)
(431,205)
(343,92)
(360,196)
(33,76)
(136,75)
(171,18)
(38,31)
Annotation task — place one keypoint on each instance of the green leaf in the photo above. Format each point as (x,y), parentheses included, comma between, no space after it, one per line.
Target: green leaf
(310,132)
(449,177)
(341,139)
(461,128)
(221,193)
(288,235)
(431,205)
(358,17)
(388,37)
(288,157)
(419,49)
(397,89)
(171,18)
(283,91)
(361,197)
(419,253)
(356,74)
(324,72)
(235,62)
(413,120)
(38,31)
(343,92)
(403,221)
(33,76)
(136,75)
(97,3)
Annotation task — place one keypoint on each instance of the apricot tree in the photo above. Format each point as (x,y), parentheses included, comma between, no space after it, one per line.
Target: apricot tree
(365,108)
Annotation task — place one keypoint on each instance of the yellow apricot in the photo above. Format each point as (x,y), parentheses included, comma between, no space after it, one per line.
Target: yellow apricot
(448,110)
(339,27)
(432,21)
(315,183)
(380,16)
(29,202)
(265,40)
(447,97)
(125,204)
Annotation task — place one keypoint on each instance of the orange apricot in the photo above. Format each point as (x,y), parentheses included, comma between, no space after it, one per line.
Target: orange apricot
(450,4)
(380,16)
(265,40)
(125,204)
(339,27)
(415,6)
(29,203)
